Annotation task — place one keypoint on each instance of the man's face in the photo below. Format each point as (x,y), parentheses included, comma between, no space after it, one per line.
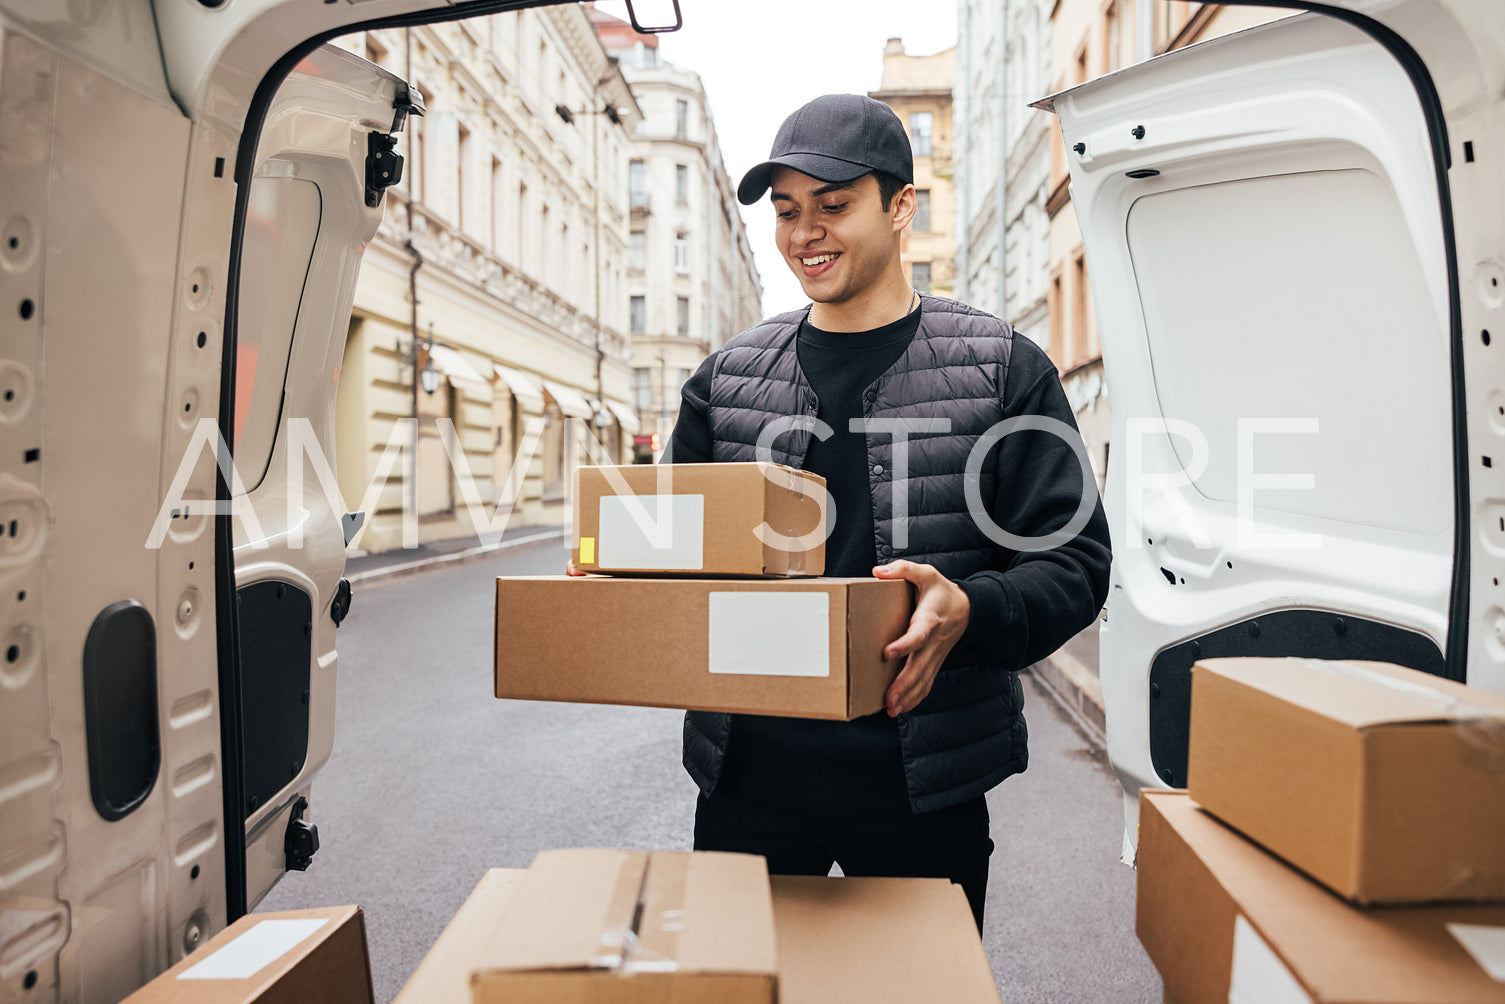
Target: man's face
(836,237)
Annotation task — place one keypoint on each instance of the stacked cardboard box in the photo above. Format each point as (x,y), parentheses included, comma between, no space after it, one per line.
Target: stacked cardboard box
(710,600)
(1358,849)
(273,958)
(598,925)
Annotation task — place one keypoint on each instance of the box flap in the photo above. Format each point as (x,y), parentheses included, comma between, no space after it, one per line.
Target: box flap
(573,910)
(878,940)
(724,920)
(1363,694)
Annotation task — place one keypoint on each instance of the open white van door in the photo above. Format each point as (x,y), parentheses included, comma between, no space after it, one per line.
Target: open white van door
(1297,256)
(175,299)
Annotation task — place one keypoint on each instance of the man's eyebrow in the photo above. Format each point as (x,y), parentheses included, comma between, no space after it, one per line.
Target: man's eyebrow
(835,186)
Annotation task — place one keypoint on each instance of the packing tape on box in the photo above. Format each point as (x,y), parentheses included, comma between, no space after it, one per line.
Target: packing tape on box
(624,952)
(1479,729)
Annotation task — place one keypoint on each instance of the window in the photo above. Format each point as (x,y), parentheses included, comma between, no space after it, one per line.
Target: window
(545,240)
(520,238)
(920,125)
(922,209)
(375,51)
(637,310)
(637,185)
(642,388)
(637,251)
(682,252)
(681,118)
(498,185)
(681,184)
(462,157)
(1080,346)
(1111,41)
(556,439)
(682,315)
(919,276)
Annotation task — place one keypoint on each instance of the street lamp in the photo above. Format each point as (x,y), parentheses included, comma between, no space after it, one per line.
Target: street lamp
(429,376)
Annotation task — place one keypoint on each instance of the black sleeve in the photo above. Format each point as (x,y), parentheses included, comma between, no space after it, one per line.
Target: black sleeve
(1034,601)
(691,441)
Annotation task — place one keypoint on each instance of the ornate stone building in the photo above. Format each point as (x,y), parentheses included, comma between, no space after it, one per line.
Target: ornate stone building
(918,89)
(691,281)
(511,226)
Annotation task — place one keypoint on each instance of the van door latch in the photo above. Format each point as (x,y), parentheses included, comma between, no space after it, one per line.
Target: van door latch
(301,841)
(383,165)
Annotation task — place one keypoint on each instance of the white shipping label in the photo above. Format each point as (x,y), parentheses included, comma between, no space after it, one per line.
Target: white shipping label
(657,532)
(1486,943)
(770,634)
(1259,977)
(253,951)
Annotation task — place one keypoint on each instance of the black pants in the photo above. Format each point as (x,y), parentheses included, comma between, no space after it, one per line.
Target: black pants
(805,813)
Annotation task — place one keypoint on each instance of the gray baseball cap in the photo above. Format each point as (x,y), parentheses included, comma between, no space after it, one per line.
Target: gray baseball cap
(836,137)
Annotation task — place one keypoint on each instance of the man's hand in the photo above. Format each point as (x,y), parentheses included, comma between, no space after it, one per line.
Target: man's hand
(942,611)
(570,569)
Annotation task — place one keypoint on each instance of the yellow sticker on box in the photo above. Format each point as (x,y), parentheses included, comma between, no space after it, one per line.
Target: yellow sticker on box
(587,550)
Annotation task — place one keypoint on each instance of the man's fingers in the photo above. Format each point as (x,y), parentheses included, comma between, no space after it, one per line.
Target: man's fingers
(907,642)
(911,685)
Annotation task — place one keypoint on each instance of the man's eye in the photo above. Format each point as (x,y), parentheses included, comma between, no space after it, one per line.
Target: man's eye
(787,214)
(836,207)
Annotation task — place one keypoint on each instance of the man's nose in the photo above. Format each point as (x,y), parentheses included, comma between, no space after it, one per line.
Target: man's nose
(808,228)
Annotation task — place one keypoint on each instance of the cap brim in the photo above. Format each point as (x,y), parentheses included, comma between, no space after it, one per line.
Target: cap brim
(755,182)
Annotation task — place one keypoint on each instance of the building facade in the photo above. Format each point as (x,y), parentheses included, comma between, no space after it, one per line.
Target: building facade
(1089,38)
(1019,249)
(918,89)
(1003,161)
(499,268)
(691,282)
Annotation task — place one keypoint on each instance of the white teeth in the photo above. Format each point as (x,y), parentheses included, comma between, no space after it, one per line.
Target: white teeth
(817,261)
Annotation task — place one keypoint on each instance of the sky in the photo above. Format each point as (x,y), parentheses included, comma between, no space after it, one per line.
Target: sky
(760,61)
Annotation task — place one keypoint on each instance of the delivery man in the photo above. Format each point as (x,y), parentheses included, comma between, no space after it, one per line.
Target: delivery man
(953,462)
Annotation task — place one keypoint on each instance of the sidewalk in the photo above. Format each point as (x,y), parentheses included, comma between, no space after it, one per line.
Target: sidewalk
(1070,675)
(365,567)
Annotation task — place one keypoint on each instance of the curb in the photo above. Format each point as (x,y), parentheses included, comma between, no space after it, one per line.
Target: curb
(1076,688)
(454,558)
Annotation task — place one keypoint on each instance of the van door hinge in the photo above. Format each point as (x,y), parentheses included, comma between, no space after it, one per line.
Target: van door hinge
(383,166)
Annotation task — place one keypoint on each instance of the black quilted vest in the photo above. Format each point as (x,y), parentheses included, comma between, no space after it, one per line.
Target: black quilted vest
(969,733)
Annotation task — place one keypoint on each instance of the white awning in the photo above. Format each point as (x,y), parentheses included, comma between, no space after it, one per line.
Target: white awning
(570,400)
(627,417)
(453,365)
(524,386)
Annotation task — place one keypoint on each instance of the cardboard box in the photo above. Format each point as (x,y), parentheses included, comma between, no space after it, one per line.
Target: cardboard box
(273,958)
(632,926)
(1386,784)
(881,941)
(443,977)
(609,926)
(1223,920)
(878,940)
(699,519)
(810,648)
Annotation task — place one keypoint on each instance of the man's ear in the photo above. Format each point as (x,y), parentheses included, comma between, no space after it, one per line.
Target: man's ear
(904,207)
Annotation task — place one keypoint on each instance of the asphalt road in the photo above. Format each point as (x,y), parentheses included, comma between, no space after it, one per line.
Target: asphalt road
(433,781)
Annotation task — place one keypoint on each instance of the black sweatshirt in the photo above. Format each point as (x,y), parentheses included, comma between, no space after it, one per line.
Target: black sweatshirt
(1018,614)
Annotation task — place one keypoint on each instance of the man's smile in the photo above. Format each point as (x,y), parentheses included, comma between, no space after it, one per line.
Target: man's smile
(816,264)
